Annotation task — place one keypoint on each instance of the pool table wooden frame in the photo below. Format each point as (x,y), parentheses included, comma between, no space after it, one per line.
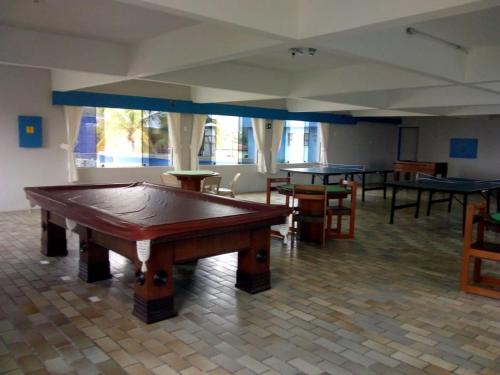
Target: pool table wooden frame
(248,234)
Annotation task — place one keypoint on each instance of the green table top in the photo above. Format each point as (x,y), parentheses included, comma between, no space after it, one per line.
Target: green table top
(197,172)
(495,217)
(329,188)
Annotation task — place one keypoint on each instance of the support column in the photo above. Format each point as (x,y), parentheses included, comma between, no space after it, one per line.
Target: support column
(253,273)
(154,289)
(53,237)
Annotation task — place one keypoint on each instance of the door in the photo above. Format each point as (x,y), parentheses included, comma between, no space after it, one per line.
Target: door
(408,143)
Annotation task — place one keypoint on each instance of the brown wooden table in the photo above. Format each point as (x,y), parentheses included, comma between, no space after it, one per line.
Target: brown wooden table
(412,167)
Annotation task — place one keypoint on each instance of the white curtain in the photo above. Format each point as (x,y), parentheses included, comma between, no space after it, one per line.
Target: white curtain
(278,126)
(174,135)
(259,128)
(197,138)
(73,116)
(324,130)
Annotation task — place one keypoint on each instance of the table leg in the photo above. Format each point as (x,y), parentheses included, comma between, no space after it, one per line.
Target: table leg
(53,237)
(393,204)
(363,183)
(498,199)
(253,274)
(488,198)
(450,202)
(94,259)
(429,203)
(417,208)
(312,179)
(385,186)
(154,289)
(325,179)
(464,210)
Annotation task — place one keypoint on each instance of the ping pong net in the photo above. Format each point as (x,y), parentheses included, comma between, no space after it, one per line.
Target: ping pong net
(347,167)
(452,180)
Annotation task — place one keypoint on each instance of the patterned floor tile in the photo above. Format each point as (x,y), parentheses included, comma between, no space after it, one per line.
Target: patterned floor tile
(386,302)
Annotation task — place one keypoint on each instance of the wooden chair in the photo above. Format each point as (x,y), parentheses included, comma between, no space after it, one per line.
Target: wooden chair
(340,211)
(231,190)
(479,250)
(170,180)
(310,214)
(271,186)
(211,184)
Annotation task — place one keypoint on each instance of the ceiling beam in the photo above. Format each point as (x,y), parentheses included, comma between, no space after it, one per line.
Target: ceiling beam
(191,47)
(387,113)
(230,76)
(357,78)
(211,95)
(65,80)
(440,97)
(475,110)
(395,47)
(376,99)
(46,50)
(324,17)
(277,18)
(483,65)
(304,105)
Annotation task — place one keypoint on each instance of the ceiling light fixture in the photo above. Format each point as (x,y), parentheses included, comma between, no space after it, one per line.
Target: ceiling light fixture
(413,31)
(301,51)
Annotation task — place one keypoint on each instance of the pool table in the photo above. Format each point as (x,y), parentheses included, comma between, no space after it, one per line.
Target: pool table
(156,227)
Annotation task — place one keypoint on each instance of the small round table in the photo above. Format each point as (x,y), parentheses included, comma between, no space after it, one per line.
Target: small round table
(191,179)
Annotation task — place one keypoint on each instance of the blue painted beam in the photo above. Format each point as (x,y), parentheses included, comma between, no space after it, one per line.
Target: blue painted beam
(90,99)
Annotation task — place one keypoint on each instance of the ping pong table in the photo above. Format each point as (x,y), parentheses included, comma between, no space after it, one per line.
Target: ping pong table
(352,171)
(452,186)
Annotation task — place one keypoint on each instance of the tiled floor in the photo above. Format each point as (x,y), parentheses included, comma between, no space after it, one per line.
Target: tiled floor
(386,302)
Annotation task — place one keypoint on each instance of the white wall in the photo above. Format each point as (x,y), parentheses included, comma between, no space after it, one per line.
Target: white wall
(370,144)
(27,91)
(434,144)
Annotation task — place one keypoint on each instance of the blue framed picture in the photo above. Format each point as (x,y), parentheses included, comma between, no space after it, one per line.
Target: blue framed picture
(465,148)
(30,131)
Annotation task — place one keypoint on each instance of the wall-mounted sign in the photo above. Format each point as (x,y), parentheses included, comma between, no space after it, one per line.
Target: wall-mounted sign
(465,148)
(30,131)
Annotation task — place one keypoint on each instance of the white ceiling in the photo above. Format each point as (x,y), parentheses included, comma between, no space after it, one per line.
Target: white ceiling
(475,29)
(237,51)
(281,58)
(98,19)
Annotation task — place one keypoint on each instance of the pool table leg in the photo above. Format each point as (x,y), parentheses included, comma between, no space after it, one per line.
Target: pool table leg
(154,289)
(253,273)
(53,237)
(94,259)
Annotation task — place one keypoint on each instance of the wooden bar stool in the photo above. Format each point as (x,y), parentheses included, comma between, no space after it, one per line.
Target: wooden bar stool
(478,250)
(341,210)
(272,184)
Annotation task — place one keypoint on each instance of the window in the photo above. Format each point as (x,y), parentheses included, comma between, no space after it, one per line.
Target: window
(299,142)
(114,137)
(228,140)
